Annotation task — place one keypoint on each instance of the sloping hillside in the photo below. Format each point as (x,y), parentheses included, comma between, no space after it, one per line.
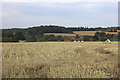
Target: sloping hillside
(82,33)
(60,34)
(91,33)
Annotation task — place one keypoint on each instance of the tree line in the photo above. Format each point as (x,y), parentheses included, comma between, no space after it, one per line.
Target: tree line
(101,36)
(36,34)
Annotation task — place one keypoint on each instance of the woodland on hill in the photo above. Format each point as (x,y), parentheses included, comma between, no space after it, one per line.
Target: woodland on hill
(36,34)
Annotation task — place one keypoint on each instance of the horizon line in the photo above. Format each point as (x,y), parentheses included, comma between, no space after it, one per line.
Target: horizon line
(56,25)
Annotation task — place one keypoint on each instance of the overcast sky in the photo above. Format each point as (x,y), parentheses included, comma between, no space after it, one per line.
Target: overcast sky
(26,14)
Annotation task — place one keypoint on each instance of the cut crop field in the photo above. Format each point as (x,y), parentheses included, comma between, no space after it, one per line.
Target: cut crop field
(91,33)
(82,33)
(60,60)
(60,34)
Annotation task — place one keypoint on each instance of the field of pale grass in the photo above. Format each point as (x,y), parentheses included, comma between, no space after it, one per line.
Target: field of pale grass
(91,33)
(60,60)
(82,33)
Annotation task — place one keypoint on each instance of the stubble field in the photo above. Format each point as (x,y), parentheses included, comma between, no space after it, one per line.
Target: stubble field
(60,60)
(81,33)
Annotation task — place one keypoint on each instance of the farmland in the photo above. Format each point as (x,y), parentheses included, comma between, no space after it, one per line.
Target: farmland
(91,33)
(60,60)
(62,34)
(82,33)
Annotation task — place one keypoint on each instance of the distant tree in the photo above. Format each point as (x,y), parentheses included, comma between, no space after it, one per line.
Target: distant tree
(31,39)
(8,37)
(96,34)
(59,38)
(18,36)
(51,38)
(77,36)
(91,39)
(101,36)
(88,38)
(110,36)
(118,35)
(95,38)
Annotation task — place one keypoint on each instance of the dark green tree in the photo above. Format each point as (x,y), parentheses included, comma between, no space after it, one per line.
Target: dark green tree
(59,38)
(18,36)
(31,39)
(77,36)
(119,36)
